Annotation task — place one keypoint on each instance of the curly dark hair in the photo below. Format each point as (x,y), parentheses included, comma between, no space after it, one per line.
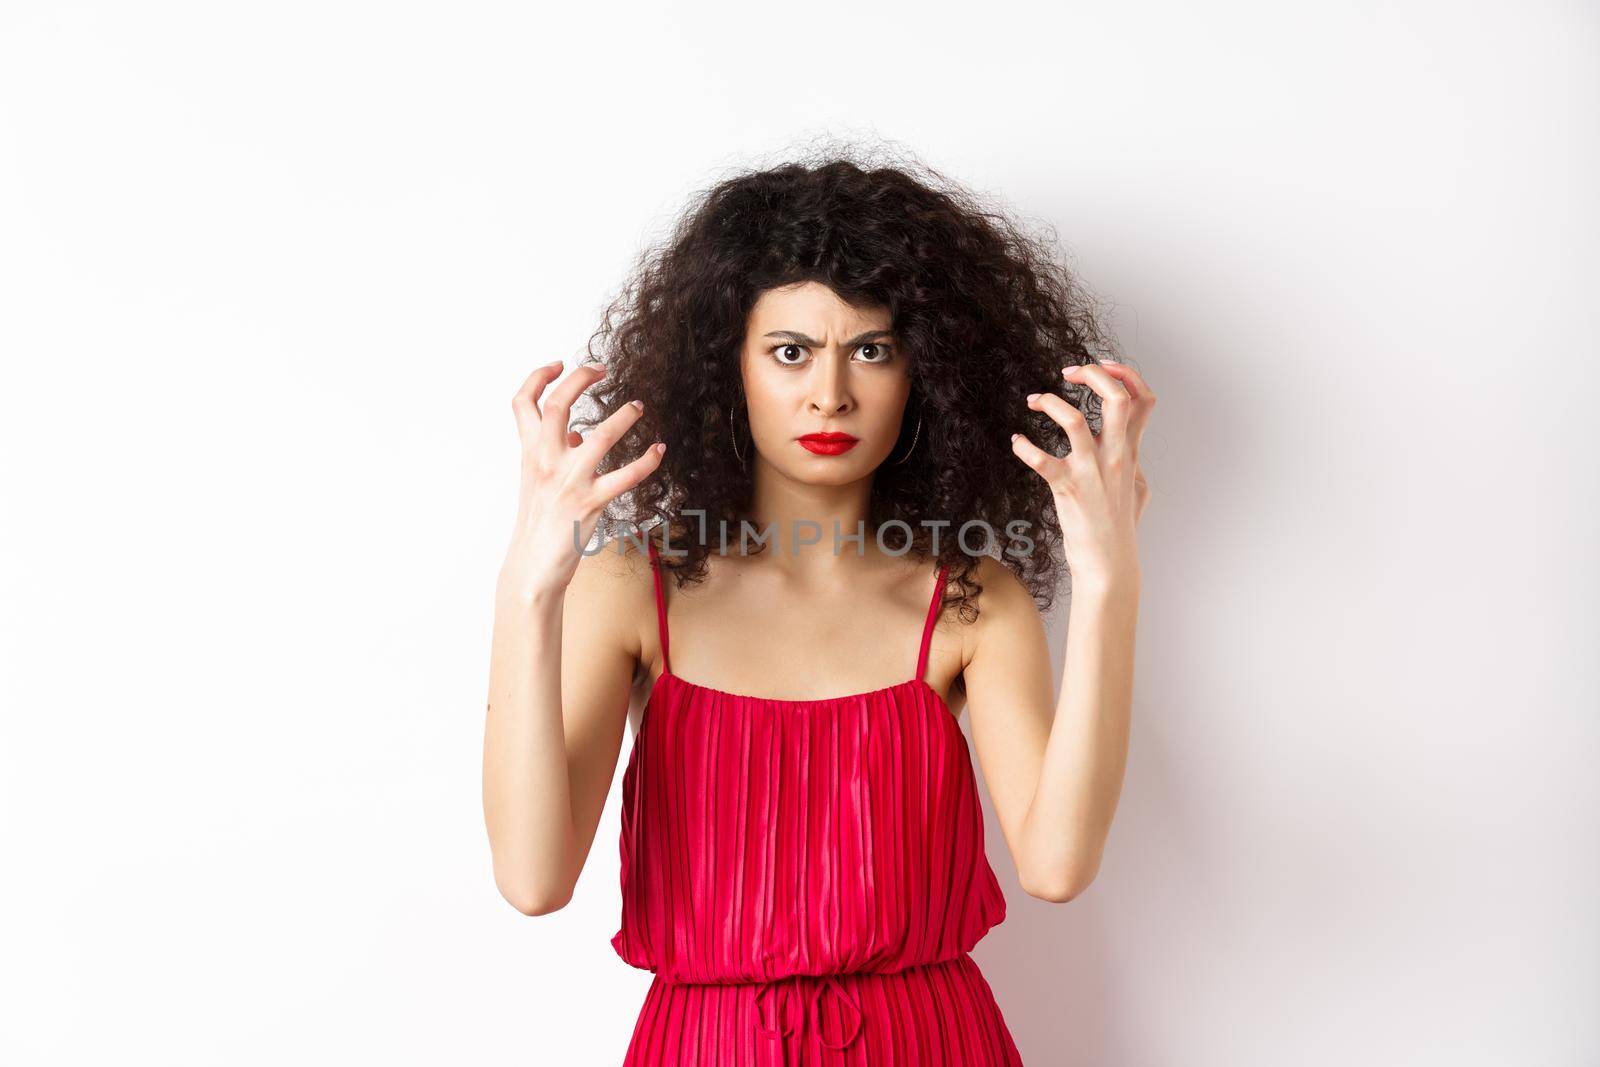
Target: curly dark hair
(980,305)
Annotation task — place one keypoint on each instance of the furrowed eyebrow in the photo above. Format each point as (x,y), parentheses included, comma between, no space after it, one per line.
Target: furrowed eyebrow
(802,339)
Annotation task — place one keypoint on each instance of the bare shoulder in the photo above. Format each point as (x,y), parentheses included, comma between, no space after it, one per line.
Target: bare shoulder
(1006,614)
(1006,672)
(1004,604)
(615,567)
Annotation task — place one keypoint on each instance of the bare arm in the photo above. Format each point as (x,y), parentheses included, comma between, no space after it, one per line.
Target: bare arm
(1064,833)
(562,658)
(1056,775)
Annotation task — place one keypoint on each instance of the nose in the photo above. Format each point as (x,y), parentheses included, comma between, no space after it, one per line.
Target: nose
(830,386)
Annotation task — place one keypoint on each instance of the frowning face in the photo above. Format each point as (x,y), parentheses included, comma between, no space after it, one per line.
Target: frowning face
(825,383)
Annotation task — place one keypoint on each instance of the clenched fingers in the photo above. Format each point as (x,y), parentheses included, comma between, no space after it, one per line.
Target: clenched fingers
(1144,399)
(614,483)
(525,403)
(603,437)
(556,414)
(1116,404)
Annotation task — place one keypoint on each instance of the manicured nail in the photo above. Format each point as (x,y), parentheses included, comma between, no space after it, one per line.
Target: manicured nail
(1032,397)
(1068,370)
(1015,436)
(638,404)
(661,446)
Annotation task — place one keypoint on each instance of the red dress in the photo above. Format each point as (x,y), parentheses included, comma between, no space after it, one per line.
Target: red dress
(806,878)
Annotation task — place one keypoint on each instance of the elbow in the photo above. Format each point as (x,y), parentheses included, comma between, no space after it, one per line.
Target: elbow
(1057,888)
(1053,894)
(543,905)
(1062,877)
(535,903)
(530,898)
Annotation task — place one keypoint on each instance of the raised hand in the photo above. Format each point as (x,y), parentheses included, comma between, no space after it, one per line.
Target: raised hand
(1100,491)
(562,496)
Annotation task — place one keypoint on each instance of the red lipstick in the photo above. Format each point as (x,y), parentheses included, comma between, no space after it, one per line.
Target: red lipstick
(828,444)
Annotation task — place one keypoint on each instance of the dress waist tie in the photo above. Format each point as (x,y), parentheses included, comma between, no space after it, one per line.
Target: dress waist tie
(810,992)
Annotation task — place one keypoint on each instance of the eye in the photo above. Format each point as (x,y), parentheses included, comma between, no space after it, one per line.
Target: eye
(880,352)
(780,352)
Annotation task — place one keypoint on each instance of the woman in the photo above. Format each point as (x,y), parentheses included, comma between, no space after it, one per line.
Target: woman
(860,365)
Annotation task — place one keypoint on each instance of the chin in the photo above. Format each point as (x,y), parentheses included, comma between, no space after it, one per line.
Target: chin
(829,470)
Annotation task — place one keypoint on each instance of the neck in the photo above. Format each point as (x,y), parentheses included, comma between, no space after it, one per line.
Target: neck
(798,511)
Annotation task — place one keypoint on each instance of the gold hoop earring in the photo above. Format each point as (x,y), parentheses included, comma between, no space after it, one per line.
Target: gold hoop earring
(914,437)
(734,438)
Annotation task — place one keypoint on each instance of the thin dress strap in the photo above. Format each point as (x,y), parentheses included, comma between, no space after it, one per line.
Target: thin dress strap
(661,608)
(927,627)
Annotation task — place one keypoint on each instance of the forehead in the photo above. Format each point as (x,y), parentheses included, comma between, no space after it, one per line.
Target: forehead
(814,305)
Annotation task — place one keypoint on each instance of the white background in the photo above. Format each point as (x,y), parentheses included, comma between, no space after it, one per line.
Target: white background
(269,275)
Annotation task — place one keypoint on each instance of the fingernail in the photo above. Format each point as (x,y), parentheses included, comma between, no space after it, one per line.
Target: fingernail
(1032,397)
(661,446)
(1068,370)
(1015,436)
(638,404)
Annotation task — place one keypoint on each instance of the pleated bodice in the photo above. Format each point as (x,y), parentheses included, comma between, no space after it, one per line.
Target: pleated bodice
(766,838)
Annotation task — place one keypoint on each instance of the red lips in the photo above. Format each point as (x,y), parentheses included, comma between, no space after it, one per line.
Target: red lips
(828,444)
